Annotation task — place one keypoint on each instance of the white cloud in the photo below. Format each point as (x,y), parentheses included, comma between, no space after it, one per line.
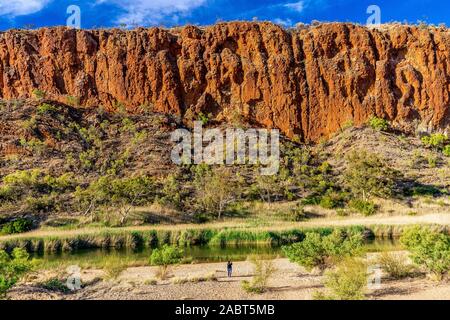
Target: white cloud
(15,8)
(283,22)
(152,11)
(296,6)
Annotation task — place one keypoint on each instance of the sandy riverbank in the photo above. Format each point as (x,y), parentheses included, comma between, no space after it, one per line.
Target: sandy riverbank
(289,282)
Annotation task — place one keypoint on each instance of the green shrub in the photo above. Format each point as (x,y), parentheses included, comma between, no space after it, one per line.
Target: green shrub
(446,150)
(436,140)
(171,192)
(311,201)
(40,204)
(19,225)
(394,265)
(332,200)
(128,126)
(35,180)
(341,213)
(55,284)
(164,257)
(46,108)
(39,94)
(298,213)
(323,251)
(30,124)
(12,268)
(367,175)
(379,124)
(432,161)
(425,190)
(35,145)
(429,249)
(263,271)
(348,281)
(366,208)
(204,118)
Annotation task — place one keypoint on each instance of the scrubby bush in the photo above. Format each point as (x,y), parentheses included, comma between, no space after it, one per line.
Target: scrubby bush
(347,281)
(164,257)
(40,204)
(379,124)
(324,251)
(30,125)
(19,225)
(366,208)
(298,213)
(394,265)
(113,270)
(128,126)
(12,268)
(263,271)
(429,249)
(46,108)
(204,118)
(39,94)
(425,190)
(171,192)
(267,187)
(333,200)
(341,213)
(366,175)
(55,284)
(436,140)
(446,151)
(20,183)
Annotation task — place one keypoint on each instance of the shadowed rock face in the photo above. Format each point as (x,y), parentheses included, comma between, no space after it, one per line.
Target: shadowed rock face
(307,82)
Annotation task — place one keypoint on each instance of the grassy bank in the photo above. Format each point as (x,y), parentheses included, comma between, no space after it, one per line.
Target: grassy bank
(138,237)
(129,238)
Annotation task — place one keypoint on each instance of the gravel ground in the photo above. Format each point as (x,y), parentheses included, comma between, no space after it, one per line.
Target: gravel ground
(290,282)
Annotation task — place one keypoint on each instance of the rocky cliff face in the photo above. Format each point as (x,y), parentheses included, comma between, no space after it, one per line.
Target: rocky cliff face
(307,82)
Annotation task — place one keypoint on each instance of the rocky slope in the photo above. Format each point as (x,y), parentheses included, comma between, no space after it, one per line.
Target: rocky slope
(308,82)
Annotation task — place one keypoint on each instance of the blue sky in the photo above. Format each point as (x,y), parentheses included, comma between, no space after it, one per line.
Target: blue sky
(109,13)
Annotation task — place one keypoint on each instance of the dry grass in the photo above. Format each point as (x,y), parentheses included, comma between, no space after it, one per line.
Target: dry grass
(262,223)
(395,264)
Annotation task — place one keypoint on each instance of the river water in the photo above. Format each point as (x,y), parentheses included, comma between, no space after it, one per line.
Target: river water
(194,254)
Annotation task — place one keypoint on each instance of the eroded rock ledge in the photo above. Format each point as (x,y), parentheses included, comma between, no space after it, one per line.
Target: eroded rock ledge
(307,82)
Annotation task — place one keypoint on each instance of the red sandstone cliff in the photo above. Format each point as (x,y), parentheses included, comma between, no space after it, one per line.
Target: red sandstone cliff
(307,82)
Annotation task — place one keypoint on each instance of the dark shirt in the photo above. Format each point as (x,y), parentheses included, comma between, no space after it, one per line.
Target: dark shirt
(229,265)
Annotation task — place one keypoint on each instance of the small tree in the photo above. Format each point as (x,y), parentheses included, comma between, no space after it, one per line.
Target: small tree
(317,251)
(264,270)
(429,249)
(366,176)
(164,257)
(216,189)
(12,268)
(271,187)
(122,194)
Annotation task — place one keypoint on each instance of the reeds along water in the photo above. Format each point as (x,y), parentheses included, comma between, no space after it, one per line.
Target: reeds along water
(395,231)
(155,238)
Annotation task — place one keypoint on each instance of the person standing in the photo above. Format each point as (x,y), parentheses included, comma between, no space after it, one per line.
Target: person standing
(230,269)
